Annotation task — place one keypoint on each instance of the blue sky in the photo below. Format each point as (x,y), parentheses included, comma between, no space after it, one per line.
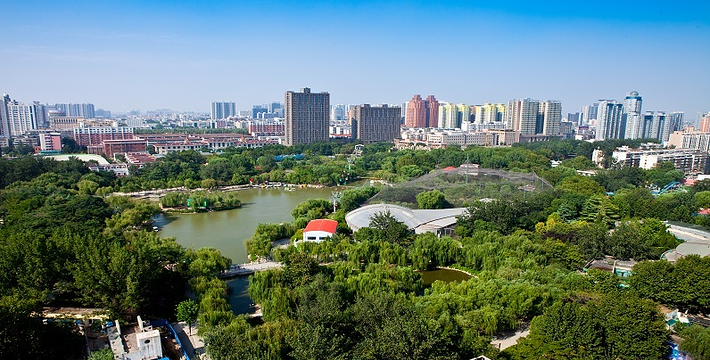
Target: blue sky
(123,55)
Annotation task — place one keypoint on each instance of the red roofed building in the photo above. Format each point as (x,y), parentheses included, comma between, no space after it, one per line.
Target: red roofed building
(319,230)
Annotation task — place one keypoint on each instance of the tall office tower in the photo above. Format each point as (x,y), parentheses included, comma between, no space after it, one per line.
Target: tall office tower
(4,120)
(432,113)
(416,113)
(337,112)
(705,123)
(573,117)
(551,114)
(222,109)
(610,120)
(523,116)
(588,113)
(376,123)
(307,116)
(632,115)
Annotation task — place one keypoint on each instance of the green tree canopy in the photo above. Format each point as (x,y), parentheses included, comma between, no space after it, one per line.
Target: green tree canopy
(187,311)
(433,199)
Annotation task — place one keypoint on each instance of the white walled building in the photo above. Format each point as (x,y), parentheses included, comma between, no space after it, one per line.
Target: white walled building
(319,230)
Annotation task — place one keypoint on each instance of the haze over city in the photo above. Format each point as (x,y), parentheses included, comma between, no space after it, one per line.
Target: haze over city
(149,54)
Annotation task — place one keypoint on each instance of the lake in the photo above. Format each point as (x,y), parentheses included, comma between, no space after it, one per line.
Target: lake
(228,230)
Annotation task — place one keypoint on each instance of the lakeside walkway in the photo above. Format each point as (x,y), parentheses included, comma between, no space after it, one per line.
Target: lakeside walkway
(153,193)
(249,268)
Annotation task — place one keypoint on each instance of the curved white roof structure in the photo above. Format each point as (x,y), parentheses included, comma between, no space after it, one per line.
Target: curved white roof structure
(83,157)
(696,242)
(420,221)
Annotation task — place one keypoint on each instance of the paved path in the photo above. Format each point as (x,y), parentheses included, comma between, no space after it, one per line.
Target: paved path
(191,342)
(689,234)
(249,268)
(504,343)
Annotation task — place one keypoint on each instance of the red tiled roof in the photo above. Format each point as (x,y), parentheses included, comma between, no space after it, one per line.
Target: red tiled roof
(326,225)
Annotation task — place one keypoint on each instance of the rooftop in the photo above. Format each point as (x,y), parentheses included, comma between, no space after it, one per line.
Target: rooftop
(83,157)
(325,225)
(418,220)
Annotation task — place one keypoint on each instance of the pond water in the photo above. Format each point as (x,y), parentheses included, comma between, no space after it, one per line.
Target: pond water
(445,275)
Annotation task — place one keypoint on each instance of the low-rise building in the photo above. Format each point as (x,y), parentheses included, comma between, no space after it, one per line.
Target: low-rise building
(86,136)
(691,139)
(690,161)
(50,142)
(438,138)
(319,230)
(111,147)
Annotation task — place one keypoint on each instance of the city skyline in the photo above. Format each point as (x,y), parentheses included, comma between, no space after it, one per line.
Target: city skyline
(146,55)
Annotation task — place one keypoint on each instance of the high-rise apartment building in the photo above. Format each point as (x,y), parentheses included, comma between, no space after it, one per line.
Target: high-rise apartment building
(588,113)
(337,112)
(86,111)
(705,123)
(307,117)
(551,113)
(4,120)
(447,115)
(489,113)
(675,119)
(258,111)
(376,123)
(523,116)
(633,116)
(452,116)
(422,113)
(432,114)
(222,109)
(416,113)
(610,120)
(656,125)
(632,102)
(18,117)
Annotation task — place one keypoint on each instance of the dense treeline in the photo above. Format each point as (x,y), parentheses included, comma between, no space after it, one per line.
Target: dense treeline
(201,200)
(685,284)
(524,251)
(600,329)
(61,246)
(359,296)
